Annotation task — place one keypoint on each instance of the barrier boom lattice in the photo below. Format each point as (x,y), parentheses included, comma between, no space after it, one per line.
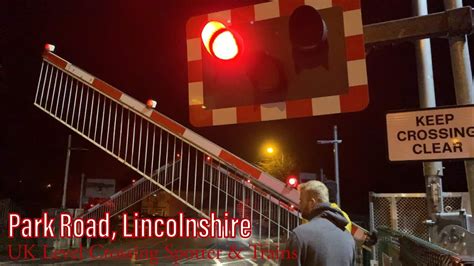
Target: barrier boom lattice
(205,177)
(144,139)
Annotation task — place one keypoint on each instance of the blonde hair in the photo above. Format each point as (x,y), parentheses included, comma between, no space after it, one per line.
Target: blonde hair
(315,189)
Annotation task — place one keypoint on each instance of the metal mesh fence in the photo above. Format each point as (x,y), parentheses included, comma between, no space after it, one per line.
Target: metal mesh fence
(411,212)
(381,212)
(453,203)
(407,212)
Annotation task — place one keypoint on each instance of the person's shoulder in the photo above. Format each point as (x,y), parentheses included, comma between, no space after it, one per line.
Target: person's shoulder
(310,226)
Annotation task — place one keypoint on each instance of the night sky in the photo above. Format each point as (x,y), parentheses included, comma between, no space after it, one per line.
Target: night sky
(140,48)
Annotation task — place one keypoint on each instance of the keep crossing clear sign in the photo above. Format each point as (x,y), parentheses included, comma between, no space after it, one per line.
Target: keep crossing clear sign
(431,134)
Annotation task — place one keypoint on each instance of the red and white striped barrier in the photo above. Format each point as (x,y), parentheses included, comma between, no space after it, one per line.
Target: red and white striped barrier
(255,174)
(175,128)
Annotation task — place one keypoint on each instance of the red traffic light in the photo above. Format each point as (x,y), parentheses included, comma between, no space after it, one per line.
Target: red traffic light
(208,32)
(292,181)
(219,41)
(225,45)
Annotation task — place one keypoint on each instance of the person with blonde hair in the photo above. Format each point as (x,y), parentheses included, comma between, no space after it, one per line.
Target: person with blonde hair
(324,240)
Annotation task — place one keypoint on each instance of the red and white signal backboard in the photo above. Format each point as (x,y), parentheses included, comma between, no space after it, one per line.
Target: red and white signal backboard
(353,97)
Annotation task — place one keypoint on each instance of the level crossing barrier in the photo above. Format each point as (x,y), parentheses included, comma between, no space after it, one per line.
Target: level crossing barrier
(144,139)
(206,177)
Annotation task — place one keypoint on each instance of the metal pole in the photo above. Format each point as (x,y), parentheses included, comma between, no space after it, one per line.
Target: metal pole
(81,193)
(335,142)
(462,75)
(336,166)
(66,171)
(431,170)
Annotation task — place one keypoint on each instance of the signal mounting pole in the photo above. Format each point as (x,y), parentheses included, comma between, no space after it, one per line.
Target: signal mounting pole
(335,142)
(462,76)
(433,171)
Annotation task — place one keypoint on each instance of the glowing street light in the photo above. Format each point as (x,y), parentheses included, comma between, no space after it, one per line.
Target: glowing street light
(270,150)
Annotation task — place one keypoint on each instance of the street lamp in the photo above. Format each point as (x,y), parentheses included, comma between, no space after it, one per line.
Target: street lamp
(270,150)
(335,142)
(66,171)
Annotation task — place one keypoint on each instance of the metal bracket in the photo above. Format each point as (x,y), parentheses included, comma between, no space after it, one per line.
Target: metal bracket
(449,23)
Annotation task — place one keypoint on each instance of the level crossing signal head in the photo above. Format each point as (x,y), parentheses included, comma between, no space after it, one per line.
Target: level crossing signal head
(276,60)
(292,181)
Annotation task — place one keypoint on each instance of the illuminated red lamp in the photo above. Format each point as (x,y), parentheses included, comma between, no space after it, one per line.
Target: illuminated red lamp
(49,47)
(292,181)
(220,41)
(151,104)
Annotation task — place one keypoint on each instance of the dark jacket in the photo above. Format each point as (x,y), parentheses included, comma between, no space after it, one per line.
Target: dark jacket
(322,241)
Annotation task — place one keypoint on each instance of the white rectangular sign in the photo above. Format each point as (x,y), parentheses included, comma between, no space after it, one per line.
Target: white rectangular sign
(431,134)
